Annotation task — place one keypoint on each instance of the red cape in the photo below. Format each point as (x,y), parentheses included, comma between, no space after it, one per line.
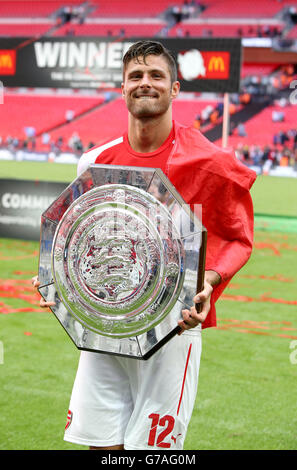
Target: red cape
(205,174)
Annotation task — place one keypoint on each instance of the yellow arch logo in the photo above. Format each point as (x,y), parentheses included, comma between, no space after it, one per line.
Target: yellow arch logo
(216,63)
(6,61)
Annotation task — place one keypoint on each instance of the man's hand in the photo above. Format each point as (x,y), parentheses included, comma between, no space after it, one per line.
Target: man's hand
(192,318)
(42,303)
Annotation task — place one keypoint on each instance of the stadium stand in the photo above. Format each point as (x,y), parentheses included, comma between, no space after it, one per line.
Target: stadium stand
(133,8)
(258,70)
(234,9)
(24,30)
(208,29)
(33,8)
(292,33)
(255,132)
(99,126)
(111,29)
(98,119)
(31,110)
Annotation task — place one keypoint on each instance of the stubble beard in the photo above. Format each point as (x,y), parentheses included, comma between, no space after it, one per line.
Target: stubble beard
(147,108)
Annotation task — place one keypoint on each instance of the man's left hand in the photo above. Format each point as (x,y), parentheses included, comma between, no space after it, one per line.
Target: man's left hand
(192,318)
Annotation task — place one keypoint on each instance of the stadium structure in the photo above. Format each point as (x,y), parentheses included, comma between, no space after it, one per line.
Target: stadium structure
(58,123)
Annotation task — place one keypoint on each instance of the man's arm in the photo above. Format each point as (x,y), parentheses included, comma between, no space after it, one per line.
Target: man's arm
(192,318)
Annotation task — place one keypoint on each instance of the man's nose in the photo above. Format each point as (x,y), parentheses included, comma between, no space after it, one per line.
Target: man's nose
(145,81)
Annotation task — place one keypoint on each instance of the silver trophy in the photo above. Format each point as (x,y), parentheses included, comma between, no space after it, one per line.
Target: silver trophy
(121,255)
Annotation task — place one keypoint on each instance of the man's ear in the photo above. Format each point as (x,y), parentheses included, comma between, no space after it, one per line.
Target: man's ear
(175,89)
(123,90)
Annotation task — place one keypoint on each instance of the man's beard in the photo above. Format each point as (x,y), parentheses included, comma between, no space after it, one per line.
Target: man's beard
(147,108)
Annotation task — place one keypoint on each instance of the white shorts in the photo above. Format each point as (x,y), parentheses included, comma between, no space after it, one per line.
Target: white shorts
(141,404)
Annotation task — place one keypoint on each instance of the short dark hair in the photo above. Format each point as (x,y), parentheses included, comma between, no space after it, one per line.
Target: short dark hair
(145,48)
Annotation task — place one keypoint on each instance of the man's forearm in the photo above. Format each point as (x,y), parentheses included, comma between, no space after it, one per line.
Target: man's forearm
(212,277)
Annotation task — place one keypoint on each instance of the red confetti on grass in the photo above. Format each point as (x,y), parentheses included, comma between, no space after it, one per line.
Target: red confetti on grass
(275,247)
(19,289)
(13,258)
(262,298)
(22,289)
(288,336)
(253,327)
(275,277)
(270,246)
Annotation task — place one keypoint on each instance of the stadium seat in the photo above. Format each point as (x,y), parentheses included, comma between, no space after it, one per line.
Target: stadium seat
(133,8)
(25,29)
(31,110)
(235,9)
(292,34)
(110,29)
(236,29)
(261,129)
(33,9)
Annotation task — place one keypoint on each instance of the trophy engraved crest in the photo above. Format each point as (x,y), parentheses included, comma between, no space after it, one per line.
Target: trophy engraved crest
(121,255)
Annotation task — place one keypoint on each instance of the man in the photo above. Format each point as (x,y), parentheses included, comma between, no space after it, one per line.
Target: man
(122,403)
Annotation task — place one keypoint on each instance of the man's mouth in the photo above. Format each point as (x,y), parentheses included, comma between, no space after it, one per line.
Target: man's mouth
(146,96)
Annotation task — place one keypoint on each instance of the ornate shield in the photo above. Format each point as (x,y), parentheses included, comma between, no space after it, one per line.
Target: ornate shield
(121,255)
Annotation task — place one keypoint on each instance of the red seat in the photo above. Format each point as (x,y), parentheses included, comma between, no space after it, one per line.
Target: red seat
(40,112)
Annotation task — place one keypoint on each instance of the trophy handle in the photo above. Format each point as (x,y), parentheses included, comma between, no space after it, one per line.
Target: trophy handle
(200,277)
(201,271)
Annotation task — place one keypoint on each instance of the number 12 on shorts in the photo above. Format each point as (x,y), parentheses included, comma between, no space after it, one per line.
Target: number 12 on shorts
(166,422)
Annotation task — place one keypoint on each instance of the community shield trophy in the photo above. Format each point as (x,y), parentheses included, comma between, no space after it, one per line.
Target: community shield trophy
(121,255)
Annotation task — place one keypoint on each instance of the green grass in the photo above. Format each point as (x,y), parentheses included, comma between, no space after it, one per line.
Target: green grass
(39,360)
(246,387)
(246,395)
(275,195)
(36,380)
(247,383)
(42,171)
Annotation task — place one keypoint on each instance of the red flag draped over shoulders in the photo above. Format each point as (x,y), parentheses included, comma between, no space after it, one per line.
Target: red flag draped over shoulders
(212,177)
(207,175)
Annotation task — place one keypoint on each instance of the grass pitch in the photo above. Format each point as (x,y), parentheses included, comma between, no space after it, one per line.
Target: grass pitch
(42,171)
(248,371)
(246,394)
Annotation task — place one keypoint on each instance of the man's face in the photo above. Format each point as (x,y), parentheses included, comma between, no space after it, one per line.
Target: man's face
(147,87)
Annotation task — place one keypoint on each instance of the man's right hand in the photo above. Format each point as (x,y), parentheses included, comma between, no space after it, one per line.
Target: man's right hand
(42,303)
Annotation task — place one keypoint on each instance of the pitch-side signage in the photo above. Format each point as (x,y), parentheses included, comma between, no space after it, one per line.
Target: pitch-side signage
(204,64)
(21,206)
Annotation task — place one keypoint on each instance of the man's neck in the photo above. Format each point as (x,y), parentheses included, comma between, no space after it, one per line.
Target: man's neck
(148,135)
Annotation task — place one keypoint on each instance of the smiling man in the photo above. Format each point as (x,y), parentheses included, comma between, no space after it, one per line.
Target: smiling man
(149,87)
(122,403)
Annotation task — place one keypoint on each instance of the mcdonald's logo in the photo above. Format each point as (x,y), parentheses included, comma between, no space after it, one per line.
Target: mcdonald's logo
(7,62)
(217,64)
